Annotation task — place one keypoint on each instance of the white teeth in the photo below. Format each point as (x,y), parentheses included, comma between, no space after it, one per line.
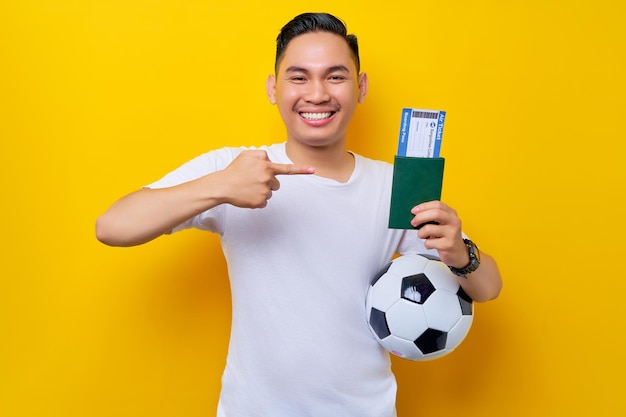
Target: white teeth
(316,116)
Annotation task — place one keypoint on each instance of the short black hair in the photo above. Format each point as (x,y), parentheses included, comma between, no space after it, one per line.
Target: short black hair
(315,22)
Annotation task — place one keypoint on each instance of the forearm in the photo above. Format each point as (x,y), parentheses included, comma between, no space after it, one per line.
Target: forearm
(146,214)
(247,182)
(485,283)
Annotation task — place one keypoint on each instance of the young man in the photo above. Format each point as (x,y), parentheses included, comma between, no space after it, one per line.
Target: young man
(303,226)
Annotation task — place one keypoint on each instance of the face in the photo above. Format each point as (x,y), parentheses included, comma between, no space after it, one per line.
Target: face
(317,89)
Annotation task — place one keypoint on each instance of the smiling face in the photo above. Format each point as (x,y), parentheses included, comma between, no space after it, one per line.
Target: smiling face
(316,89)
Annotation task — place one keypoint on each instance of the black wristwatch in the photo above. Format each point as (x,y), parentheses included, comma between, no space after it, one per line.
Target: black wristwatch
(474,256)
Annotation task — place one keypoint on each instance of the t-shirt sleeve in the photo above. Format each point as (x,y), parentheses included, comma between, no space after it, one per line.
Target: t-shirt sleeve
(198,167)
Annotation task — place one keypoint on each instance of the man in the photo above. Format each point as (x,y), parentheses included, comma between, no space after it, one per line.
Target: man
(303,226)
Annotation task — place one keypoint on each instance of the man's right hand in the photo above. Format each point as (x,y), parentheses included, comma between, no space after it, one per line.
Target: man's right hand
(250,179)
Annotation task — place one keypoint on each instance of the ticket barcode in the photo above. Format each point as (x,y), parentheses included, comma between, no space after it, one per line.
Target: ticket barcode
(425,114)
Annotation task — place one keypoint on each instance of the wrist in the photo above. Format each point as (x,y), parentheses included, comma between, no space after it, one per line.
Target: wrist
(473,255)
(463,261)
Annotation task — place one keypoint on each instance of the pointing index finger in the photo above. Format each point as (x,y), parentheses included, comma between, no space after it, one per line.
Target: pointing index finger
(292,169)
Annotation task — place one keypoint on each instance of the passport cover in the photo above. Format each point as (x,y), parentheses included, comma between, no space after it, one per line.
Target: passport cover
(415,181)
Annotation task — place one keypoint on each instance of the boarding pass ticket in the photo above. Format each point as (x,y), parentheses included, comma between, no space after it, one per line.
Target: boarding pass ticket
(420,133)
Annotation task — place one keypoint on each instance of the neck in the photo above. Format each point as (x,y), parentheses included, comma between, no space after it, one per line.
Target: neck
(333,162)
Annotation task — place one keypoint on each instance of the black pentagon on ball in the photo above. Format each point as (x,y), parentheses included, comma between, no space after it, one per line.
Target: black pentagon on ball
(465,301)
(417,288)
(431,341)
(378,321)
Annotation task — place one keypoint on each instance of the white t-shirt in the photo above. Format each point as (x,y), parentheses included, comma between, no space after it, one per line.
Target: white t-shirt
(299,271)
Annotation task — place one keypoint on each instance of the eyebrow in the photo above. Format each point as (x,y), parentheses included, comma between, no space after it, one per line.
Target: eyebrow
(334,68)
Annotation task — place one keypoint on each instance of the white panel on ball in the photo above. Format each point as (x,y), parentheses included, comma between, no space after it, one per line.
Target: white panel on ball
(406,320)
(458,332)
(387,291)
(442,310)
(401,347)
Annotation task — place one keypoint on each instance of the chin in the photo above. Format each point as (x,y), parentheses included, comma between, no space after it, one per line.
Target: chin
(318,142)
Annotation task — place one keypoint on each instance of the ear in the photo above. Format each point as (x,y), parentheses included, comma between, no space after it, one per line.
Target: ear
(362,86)
(270,88)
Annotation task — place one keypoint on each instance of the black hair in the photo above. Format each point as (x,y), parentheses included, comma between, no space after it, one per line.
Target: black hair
(315,22)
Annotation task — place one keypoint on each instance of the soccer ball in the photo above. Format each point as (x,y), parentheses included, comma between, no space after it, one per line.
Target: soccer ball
(416,308)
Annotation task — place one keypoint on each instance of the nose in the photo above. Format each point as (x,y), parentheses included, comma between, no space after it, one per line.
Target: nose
(317,92)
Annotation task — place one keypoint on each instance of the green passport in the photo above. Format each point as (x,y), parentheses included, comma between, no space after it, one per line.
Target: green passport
(415,181)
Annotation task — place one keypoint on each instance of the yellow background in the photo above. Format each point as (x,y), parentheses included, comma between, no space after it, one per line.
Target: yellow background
(98,98)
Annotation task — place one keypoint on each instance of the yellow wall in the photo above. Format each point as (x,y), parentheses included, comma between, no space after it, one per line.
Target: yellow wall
(98,97)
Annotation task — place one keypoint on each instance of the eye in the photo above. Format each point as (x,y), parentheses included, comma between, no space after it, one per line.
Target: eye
(297,79)
(336,78)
